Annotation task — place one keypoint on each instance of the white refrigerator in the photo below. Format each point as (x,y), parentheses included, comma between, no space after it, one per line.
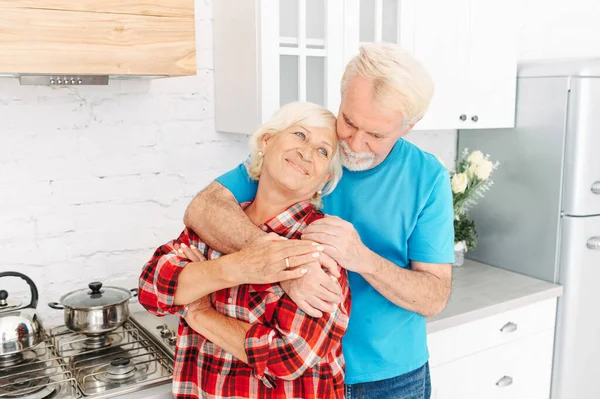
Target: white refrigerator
(542,216)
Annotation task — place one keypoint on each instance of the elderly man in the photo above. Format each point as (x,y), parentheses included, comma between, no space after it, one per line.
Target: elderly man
(392,227)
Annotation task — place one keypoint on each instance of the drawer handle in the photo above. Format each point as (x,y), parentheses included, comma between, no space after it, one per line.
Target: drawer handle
(504,381)
(509,327)
(596,187)
(594,243)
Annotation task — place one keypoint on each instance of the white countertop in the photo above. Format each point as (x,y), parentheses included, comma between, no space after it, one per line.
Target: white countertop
(480,290)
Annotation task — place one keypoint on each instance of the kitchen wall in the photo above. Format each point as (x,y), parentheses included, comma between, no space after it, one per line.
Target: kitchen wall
(92,179)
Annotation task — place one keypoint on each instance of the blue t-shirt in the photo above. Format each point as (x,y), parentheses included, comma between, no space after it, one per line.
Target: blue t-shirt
(402,210)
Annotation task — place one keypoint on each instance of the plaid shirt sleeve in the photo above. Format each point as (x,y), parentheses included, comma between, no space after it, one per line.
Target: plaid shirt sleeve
(158,281)
(291,342)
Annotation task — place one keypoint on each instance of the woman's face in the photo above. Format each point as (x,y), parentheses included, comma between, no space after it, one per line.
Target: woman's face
(298,158)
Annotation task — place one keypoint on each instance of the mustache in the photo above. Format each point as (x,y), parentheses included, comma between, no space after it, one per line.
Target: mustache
(355,155)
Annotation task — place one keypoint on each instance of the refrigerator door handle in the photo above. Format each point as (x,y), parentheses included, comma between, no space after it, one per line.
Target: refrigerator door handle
(594,243)
(596,187)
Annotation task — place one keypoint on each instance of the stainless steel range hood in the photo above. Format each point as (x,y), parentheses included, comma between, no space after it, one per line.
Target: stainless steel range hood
(89,42)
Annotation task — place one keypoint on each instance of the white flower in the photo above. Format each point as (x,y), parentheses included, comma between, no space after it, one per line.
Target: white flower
(484,169)
(475,158)
(459,183)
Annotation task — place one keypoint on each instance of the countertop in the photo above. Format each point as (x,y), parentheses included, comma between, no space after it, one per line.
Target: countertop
(480,290)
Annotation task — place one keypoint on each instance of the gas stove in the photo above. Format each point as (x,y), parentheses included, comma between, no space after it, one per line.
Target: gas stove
(134,361)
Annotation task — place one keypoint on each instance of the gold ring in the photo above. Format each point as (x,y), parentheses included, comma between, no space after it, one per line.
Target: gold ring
(287,263)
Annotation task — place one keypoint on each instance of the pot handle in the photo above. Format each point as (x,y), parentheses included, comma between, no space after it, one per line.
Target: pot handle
(56,305)
(134,292)
(33,288)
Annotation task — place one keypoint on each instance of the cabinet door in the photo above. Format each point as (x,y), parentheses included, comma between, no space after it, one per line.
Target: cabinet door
(310,54)
(377,21)
(492,64)
(440,42)
(521,369)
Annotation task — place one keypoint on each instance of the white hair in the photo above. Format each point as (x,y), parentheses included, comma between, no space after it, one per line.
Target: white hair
(303,114)
(401,82)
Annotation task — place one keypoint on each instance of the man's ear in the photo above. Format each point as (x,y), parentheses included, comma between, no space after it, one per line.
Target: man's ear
(410,128)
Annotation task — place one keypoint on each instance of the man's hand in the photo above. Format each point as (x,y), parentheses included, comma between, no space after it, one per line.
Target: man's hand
(316,292)
(341,242)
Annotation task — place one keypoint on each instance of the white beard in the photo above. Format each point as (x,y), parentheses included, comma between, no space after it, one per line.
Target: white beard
(355,161)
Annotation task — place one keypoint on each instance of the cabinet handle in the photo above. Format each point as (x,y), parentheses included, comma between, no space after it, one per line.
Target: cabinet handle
(504,381)
(474,118)
(463,117)
(509,327)
(594,243)
(596,187)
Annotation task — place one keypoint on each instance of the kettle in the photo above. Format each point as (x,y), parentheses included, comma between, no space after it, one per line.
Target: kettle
(20,327)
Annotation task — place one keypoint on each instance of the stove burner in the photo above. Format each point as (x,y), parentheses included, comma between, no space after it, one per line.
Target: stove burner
(27,388)
(120,370)
(97,342)
(10,360)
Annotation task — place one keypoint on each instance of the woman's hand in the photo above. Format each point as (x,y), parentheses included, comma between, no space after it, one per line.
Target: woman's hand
(264,260)
(191,252)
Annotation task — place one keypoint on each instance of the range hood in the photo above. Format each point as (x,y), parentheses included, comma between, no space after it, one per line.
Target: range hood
(77,42)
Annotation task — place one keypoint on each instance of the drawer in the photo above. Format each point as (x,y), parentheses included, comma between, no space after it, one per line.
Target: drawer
(469,338)
(518,370)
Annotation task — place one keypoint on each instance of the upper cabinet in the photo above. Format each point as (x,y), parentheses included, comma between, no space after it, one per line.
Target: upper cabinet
(97,37)
(468,46)
(268,53)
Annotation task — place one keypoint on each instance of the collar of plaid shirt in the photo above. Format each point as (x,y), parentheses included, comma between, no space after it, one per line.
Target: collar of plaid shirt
(286,223)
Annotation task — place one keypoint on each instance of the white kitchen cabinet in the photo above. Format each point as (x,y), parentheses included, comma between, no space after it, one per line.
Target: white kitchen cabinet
(468,46)
(269,53)
(518,370)
(504,356)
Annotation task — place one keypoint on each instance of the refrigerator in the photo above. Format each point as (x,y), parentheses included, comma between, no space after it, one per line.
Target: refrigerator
(541,217)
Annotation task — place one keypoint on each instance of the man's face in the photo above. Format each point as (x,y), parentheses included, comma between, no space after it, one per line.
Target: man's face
(367,133)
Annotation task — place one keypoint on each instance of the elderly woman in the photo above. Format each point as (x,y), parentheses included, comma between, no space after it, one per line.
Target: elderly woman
(248,339)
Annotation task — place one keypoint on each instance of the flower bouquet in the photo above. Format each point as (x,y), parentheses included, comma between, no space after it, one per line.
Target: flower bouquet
(469,183)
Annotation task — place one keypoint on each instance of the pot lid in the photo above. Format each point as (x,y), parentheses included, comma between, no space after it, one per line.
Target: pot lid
(96,296)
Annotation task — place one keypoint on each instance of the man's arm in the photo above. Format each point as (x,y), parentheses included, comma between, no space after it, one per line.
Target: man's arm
(424,289)
(215,215)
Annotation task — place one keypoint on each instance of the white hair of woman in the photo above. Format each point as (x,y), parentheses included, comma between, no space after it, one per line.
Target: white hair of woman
(401,82)
(303,114)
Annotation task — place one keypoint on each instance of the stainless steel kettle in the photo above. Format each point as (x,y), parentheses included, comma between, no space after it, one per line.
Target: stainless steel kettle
(20,327)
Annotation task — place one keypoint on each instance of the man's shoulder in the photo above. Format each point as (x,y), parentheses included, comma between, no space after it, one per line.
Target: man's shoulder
(420,164)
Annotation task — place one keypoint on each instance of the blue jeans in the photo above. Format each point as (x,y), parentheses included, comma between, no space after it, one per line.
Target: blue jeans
(412,385)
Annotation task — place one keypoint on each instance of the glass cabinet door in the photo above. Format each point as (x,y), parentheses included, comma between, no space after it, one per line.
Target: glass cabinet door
(376,21)
(310,48)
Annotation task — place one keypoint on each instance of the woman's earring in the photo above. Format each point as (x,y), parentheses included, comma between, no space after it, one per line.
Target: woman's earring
(260,154)
(319,192)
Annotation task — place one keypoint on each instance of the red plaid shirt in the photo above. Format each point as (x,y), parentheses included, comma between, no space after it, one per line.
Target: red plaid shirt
(290,354)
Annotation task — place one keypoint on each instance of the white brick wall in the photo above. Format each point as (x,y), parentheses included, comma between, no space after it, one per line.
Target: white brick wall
(92,179)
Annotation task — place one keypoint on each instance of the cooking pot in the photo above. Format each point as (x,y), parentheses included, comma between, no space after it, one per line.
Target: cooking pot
(96,311)
(20,327)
